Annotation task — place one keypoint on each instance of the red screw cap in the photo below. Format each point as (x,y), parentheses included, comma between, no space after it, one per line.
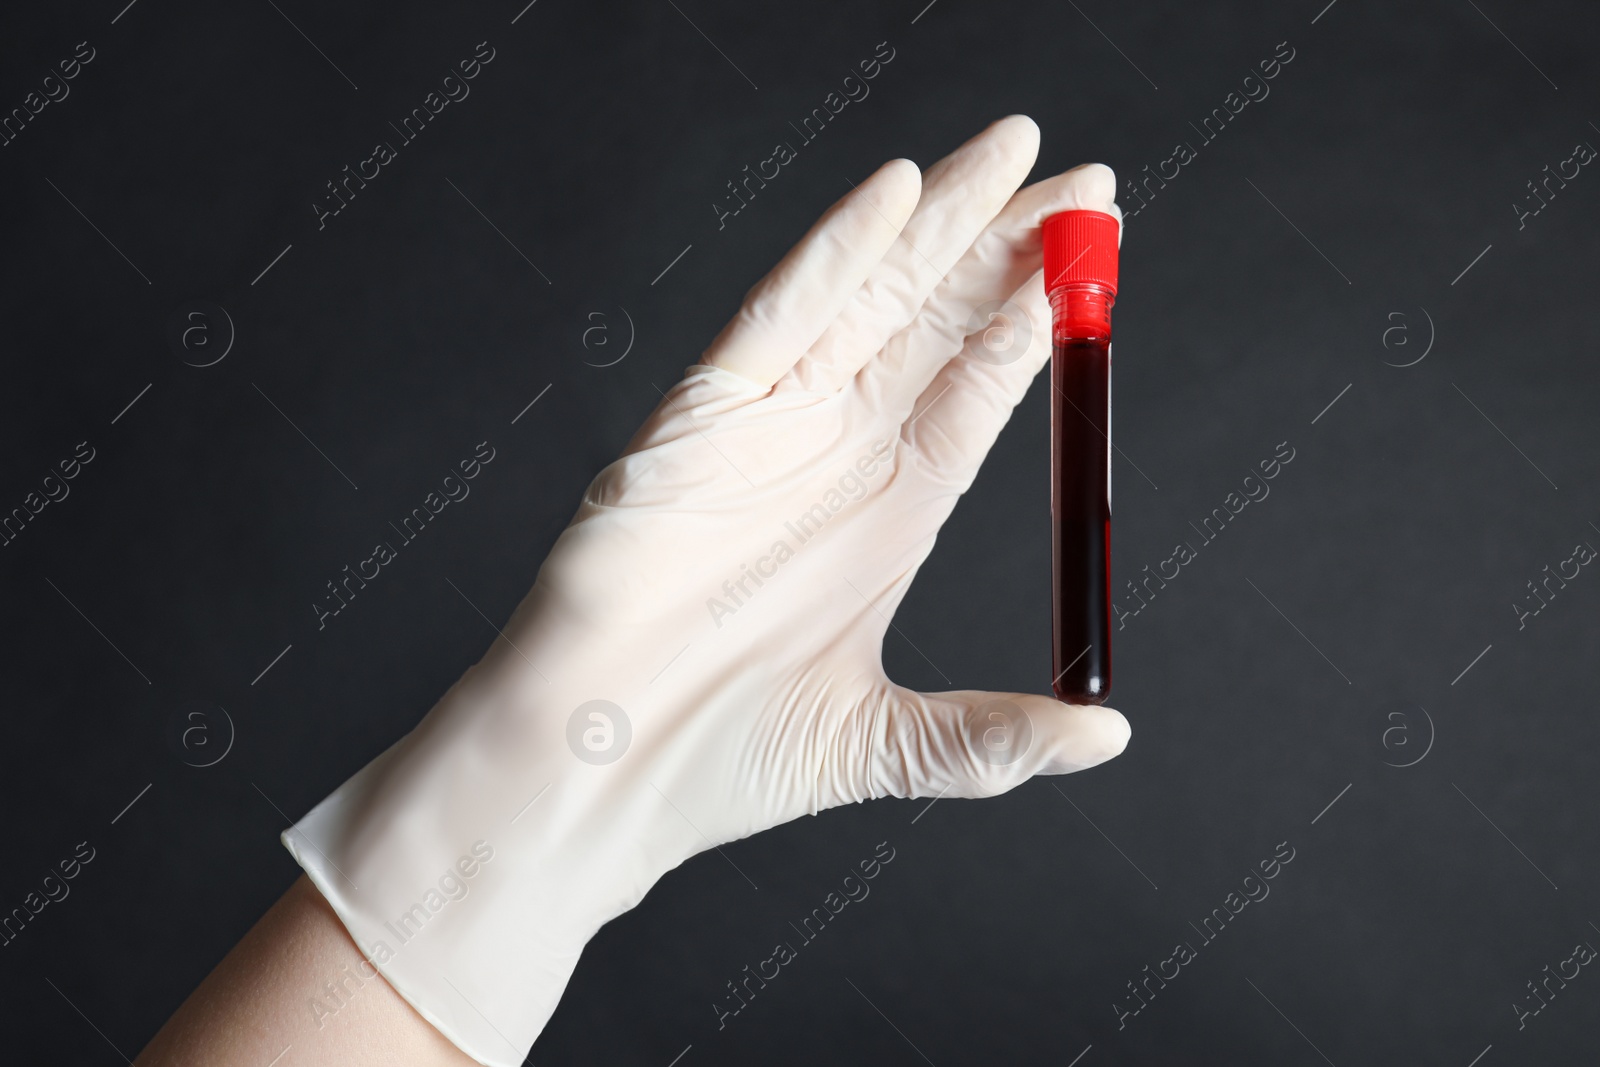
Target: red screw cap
(1080,246)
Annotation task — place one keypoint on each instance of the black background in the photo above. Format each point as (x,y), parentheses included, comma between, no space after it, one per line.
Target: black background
(1292,659)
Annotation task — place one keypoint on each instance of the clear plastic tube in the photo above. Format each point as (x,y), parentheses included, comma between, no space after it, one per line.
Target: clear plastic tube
(1080,490)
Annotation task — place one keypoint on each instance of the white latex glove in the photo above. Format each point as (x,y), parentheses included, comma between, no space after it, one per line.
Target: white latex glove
(840,414)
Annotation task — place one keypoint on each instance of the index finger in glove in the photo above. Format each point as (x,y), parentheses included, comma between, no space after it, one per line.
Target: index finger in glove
(961,195)
(786,311)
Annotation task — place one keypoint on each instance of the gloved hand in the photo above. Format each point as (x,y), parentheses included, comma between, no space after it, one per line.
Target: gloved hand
(726,585)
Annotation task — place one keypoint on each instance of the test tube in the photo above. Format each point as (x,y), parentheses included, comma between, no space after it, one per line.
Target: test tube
(1080,277)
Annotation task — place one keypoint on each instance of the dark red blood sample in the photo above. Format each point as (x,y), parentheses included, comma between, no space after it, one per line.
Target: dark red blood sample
(1080,508)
